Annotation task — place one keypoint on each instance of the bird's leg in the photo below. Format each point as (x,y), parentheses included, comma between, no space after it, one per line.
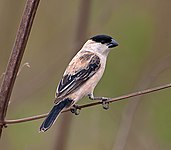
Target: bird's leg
(75,109)
(91,96)
(105,103)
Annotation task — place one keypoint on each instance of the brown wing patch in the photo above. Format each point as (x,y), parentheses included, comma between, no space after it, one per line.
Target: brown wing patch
(79,61)
(83,69)
(86,57)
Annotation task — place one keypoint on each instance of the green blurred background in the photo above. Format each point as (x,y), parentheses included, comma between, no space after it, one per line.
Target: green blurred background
(142,60)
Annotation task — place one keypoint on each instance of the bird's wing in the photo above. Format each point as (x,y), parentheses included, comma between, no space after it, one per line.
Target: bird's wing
(80,69)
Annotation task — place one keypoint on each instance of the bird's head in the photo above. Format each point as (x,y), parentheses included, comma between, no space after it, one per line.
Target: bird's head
(101,44)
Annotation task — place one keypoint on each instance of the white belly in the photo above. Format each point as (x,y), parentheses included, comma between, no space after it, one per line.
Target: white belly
(89,85)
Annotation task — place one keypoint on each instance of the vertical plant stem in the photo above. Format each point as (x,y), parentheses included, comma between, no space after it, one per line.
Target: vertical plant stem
(82,24)
(81,33)
(16,56)
(161,32)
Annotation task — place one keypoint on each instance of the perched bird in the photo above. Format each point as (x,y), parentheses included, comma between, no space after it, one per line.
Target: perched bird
(81,76)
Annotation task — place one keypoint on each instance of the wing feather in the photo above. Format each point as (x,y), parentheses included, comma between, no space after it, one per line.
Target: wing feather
(77,73)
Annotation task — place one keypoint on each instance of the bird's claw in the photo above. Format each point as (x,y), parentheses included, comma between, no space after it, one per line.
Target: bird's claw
(104,98)
(75,109)
(105,104)
(3,125)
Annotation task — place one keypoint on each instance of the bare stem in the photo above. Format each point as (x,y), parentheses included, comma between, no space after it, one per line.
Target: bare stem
(80,34)
(16,56)
(139,93)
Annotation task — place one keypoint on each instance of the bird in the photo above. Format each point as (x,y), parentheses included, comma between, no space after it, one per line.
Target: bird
(81,76)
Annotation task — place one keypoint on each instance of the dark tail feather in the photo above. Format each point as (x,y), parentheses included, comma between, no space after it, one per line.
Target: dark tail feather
(54,113)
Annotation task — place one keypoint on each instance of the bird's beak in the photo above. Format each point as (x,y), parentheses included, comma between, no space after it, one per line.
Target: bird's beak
(112,44)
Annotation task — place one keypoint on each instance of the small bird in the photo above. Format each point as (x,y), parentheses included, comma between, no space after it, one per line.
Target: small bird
(81,76)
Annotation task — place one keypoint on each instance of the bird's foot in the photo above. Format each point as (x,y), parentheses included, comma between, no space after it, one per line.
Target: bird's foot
(91,96)
(104,100)
(105,104)
(3,125)
(75,109)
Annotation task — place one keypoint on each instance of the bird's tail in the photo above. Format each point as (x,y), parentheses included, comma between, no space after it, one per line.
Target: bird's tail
(54,113)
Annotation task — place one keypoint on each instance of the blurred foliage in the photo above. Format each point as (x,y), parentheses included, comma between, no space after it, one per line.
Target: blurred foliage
(142,29)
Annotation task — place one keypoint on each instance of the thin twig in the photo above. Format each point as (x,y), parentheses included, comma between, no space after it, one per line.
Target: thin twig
(16,56)
(1,76)
(21,68)
(130,110)
(111,100)
(26,64)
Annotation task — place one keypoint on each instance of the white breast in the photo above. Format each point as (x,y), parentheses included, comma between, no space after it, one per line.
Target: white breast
(90,84)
